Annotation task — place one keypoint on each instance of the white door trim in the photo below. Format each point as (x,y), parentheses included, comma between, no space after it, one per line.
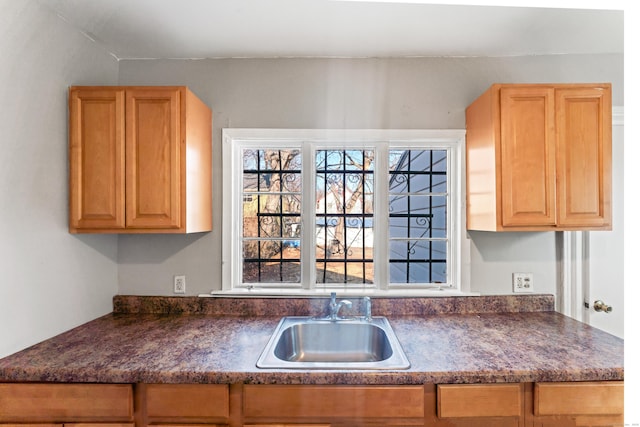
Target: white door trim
(574,282)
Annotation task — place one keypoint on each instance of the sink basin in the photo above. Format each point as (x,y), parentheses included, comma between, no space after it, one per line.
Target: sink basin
(308,343)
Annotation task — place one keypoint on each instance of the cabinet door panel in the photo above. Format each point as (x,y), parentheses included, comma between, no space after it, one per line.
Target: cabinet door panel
(480,400)
(527,156)
(154,152)
(187,401)
(580,421)
(320,402)
(65,402)
(589,398)
(584,157)
(96,159)
(99,425)
(32,425)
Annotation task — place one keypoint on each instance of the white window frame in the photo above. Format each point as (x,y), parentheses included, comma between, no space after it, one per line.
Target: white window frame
(459,246)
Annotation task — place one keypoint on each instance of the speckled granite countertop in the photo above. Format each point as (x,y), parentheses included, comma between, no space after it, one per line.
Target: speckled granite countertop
(161,340)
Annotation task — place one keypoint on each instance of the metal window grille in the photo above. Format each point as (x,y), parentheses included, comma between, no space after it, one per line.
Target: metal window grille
(417,216)
(272,221)
(344,216)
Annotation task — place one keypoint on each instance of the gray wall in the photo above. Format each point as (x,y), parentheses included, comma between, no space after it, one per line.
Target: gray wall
(51,281)
(419,93)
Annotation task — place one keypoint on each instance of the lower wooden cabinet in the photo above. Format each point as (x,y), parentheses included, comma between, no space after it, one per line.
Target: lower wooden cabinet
(175,405)
(554,404)
(68,404)
(287,425)
(71,425)
(474,405)
(480,400)
(586,404)
(336,405)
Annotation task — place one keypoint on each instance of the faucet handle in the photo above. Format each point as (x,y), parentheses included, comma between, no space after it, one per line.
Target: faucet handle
(367,309)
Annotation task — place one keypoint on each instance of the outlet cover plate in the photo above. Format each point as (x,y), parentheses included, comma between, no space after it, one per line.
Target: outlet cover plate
(522,282)
(179,284)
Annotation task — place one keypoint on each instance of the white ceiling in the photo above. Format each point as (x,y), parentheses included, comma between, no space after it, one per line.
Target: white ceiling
(324,28)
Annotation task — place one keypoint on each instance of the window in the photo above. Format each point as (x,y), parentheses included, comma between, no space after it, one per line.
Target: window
(308,210)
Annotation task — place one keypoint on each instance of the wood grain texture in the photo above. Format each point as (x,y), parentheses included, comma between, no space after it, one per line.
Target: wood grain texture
(480,400)
(588,398)
(483,161)
(527,163)
(65,402)
(153,173)
(140,160)
(539,158)
(186,401)
(327,402)
(584,156)
(198,165)
(96,159)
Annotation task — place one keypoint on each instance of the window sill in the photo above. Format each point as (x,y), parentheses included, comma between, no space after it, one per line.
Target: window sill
(324,292)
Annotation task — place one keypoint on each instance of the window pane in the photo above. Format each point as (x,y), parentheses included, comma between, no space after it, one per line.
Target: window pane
(271,210)
(271,261)
(418,216)
(339,272)
(418,261)
(413,250)
(344,216)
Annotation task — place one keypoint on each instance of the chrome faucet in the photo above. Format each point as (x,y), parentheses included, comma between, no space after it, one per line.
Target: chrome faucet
(334,307)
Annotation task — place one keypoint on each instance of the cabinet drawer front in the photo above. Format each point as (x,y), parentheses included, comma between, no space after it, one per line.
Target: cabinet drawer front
(187,401)
(480,400)
(99,425)
(590,398)
(66,402)
(334,401)
(287,425)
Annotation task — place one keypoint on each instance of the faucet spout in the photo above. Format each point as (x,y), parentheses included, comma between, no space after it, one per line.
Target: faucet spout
(334,307)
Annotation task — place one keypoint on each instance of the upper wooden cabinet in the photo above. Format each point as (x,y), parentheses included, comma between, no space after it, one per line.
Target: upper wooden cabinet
(139,160)
(539,158)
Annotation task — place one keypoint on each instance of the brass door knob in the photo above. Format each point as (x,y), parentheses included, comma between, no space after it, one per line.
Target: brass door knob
(598,305)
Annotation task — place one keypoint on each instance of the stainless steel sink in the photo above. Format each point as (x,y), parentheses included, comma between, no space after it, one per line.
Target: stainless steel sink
(308,343)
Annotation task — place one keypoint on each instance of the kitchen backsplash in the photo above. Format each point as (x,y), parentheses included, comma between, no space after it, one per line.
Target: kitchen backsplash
(230,306)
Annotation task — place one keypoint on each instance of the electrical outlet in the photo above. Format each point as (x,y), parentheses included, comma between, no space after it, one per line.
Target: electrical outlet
(522,282)
(179,284)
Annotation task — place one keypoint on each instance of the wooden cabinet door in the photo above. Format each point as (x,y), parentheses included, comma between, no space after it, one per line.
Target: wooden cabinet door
(48,403)
(350,405)
(528,156)
(539,158)
(185,403)
(476,405)
(583,124)
(577,404)
(154,150)
(96,159)
(581,421)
